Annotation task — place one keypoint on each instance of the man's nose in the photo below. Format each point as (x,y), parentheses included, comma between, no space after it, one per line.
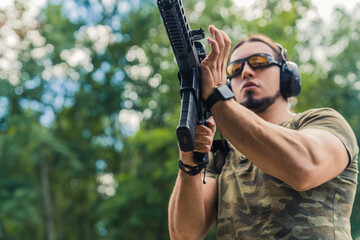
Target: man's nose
(247,72)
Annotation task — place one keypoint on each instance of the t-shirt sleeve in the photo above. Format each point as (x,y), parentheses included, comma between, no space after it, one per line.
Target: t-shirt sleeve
(331,121)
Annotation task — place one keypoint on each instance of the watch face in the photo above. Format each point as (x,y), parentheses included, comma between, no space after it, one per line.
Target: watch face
(225,92)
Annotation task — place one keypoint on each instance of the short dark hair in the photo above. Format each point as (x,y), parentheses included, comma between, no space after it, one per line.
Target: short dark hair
(265,39)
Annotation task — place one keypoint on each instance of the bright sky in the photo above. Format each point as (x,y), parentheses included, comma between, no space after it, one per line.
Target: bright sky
(324,7)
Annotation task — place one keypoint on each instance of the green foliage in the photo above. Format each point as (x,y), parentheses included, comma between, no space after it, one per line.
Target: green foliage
(73,161)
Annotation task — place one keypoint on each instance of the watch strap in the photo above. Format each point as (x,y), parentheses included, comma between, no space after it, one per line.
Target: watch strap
(221,93)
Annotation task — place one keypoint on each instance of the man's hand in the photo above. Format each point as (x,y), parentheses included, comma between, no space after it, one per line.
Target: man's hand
(213,67)
(204,135)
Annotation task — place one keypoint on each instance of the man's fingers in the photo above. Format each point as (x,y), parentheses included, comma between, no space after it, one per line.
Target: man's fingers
(214,50)
(222,40)
(204,139)
(220,46)
(210,123)
(227,42)
(204,136)
(203,130)
(226,51)
(202,148)
(218,36)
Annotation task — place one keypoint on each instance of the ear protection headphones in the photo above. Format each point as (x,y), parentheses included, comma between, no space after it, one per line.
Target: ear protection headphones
(290,78)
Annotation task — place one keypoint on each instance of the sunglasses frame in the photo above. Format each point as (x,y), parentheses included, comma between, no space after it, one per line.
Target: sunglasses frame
(272,61)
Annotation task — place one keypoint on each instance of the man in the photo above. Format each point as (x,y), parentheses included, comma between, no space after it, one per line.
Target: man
(286,175)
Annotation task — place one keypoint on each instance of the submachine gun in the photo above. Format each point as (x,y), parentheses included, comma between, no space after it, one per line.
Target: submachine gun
(189,53)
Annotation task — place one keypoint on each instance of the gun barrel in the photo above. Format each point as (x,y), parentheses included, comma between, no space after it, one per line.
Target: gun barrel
(166,2)
(179,33)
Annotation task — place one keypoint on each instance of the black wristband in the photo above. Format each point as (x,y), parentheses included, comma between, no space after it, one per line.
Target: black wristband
(221,93)
(191,170)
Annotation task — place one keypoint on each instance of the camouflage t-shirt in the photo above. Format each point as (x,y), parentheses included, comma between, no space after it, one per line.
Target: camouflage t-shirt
(254,205)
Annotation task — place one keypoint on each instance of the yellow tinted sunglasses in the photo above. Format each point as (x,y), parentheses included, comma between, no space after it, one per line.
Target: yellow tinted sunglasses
(256,61)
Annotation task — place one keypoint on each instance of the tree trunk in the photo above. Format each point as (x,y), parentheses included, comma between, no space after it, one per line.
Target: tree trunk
(50,229)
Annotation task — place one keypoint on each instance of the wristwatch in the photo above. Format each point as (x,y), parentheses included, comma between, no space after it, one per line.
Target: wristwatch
(221,93)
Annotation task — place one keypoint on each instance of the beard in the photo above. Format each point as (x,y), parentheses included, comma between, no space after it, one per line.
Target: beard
(259,105)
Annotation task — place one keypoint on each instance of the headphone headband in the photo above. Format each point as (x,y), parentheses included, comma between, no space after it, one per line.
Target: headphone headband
(283,53)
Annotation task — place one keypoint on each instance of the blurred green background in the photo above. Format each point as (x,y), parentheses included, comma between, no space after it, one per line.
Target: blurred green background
(89,104)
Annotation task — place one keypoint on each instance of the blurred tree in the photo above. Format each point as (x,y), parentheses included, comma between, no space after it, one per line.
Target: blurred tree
(89,104)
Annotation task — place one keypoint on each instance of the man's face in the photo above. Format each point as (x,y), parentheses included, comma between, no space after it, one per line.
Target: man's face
(256,89)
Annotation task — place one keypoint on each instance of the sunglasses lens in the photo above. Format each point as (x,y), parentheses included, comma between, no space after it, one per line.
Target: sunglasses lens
(258,61)
(255,61)
(233,67)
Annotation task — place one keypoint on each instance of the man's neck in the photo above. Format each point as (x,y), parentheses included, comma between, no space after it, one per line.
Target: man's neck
(277,113)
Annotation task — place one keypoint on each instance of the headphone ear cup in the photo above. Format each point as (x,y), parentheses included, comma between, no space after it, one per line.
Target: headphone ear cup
(290,79)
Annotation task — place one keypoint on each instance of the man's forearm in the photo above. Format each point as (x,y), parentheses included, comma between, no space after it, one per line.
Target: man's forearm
(282,153)
(187,218)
